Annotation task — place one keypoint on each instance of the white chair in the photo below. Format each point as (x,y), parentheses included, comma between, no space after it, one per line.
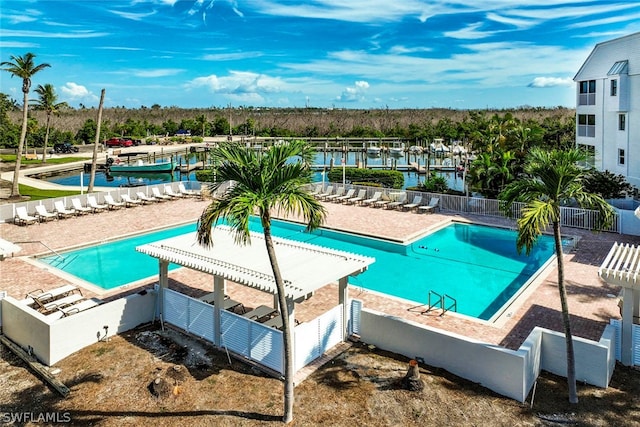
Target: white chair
(146,199)
(43,214)
(94,205)
(156,193)
(77,205)
(349,195)
(376,196)
(128,201)
(431,207)
(168,190)
(402,199)
(359,197)
(23,218)
(327,193)
(62,210)
(188,193)
(417,200)
(111,203)
(339,193)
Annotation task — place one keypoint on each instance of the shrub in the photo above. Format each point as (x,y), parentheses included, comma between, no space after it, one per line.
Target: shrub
(383,178)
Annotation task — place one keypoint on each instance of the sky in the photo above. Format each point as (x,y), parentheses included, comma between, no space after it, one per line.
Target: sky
(364,54)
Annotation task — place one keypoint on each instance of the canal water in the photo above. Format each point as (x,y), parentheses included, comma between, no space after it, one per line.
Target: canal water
(326,159)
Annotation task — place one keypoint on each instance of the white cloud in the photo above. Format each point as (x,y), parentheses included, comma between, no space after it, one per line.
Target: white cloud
(239,83)
(551,82)
(354,93)
(159,72)
(77,92)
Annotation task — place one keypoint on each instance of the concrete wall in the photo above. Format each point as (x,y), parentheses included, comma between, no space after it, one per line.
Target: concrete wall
(595,361)
(54,340)
(496,368)
(26,327)
(507,372)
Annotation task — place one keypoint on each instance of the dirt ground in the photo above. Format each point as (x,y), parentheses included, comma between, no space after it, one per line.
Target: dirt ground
(165,378)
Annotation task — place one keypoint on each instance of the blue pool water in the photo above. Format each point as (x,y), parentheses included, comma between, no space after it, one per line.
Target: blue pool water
(478,266)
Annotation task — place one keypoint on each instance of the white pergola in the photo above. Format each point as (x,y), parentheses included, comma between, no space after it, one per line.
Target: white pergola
(622,267)
(305,267)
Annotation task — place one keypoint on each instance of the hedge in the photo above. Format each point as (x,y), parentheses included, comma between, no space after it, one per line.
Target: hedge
(384,178)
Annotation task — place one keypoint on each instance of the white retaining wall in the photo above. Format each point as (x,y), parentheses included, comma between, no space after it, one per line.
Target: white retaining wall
(52,341)
(507,372)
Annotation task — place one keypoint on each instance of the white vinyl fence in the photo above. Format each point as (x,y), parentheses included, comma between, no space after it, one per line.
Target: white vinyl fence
(314,338)
(635,341)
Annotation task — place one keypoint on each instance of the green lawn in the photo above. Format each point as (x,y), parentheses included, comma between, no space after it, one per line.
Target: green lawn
(11,158)
(39,194)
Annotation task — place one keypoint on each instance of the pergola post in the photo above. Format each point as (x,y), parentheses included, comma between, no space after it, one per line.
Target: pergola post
(218,304)
(343,298)
(163,281)
(629,310)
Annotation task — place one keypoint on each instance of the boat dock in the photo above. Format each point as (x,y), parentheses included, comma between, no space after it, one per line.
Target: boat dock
(187,168)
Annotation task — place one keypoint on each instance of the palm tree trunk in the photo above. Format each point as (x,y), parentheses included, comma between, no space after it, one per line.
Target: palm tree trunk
(15,190)
(571,362)
(94,158)
(286,329)
(46,138)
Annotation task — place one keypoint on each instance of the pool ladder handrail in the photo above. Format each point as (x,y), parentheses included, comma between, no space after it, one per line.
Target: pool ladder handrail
(440,303)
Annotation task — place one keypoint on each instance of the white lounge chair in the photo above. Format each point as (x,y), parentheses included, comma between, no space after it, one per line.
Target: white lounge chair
(402,199)
(128,201)
(360,197)
(94,205)
(47,296)
(62,210)
(79,306)
(187,193)
(349,195)
(168,190)
(431,207)
(61,302)
(156,193)
(77,205)
(384,200)
(317,190)
(339,192)
(326,193)
(112,204)
(146,199)
(23,218)
(376,196)
(417,201)
(43,214)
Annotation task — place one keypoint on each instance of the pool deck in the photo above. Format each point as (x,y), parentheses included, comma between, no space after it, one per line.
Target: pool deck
(591,301)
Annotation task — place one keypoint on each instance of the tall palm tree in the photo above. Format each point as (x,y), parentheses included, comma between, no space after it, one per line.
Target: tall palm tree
(551,179)
(263,182)
(47,101)
(24,68)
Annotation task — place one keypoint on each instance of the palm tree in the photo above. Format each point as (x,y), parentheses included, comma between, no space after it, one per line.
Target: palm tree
(549,180)
(47,101)
(263,182)
(24,68)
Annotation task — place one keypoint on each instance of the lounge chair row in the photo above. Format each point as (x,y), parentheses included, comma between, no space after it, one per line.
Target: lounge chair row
(23,217)
(377,200)
(59,302)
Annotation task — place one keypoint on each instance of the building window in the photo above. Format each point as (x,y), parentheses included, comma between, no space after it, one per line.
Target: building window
(622,121)
(620,156)
(614,87)
(587,125)
(587,92)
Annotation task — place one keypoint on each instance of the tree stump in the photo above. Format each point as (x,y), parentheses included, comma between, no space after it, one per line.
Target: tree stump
(411,380)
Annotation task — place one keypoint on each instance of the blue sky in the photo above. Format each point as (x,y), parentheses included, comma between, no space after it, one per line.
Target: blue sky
(318,53)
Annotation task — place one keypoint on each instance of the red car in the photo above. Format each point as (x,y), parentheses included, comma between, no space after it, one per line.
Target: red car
(119,142)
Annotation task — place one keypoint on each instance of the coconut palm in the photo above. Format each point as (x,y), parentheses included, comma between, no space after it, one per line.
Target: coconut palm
(263,182)
(551,179)
(24,68)
(47,101)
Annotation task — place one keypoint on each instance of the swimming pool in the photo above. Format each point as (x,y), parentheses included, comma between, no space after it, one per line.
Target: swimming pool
(476,265)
